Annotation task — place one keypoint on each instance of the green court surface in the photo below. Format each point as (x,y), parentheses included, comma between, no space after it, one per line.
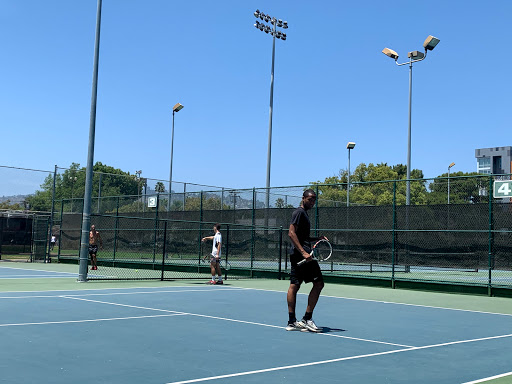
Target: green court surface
(377,334)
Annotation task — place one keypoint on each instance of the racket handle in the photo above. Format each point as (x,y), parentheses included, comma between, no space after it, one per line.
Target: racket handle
(305,260)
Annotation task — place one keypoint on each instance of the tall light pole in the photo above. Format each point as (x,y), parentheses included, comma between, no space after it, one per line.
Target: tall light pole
(280,35)
(350,145)
(178,107)
(86,215)
(449,167)
(414,56)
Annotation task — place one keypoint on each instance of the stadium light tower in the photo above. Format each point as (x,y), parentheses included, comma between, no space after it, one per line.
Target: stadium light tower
(449,167)
(280,35)
(429,44)
(178,107)
(350,145)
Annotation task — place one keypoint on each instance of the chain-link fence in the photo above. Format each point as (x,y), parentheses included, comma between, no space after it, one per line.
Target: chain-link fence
(453,231)
(156,248)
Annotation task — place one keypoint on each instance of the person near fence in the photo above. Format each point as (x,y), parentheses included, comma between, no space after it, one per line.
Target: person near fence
(215,255)
(94,241)
(53,240)
(299,233)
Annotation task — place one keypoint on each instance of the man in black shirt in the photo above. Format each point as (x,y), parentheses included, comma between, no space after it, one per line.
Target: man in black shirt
(299,233)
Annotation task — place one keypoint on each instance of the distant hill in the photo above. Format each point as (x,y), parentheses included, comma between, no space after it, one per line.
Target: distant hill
(14,199)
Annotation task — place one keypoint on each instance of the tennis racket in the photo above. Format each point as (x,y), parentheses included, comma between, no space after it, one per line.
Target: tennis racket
(321,251)
(223,263)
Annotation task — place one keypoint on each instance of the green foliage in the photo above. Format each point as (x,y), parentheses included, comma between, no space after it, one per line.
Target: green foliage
(71,185)
(374,191)
(7,205)
(160,187)
(463,189)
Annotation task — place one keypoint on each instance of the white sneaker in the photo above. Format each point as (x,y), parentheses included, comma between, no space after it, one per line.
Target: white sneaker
(296,326)
(309,325)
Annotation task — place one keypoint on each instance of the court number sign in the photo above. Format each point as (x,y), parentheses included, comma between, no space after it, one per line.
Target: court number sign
(502,189)
(152,202)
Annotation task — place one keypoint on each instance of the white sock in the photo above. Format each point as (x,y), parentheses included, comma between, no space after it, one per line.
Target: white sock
(220,278)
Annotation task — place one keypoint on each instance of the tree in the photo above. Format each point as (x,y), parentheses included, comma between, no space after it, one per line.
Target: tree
(159,187)
(7,205)
(368,186)
(465,188)
(70,184)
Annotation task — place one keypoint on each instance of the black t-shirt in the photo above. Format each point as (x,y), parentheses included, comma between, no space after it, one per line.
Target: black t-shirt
(301,220)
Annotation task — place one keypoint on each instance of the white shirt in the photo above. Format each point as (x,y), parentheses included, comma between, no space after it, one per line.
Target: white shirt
(217,239)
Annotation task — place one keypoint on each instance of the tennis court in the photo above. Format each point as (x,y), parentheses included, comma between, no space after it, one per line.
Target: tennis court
(60,331)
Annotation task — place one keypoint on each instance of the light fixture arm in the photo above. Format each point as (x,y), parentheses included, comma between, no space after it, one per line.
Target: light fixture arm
(412,61)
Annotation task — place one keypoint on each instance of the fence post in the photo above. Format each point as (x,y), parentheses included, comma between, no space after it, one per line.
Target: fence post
(164,250)
(490,240)
(253,221)
(49,239)
(156,227)
(317,218)
(280,252)
(226,250)
(116,228)
(393,239)
(199,242)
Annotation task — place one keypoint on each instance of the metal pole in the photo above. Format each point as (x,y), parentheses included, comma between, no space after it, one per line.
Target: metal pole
(269,149)
(348,180)
(86,218)
(170,174)
(448,185)
(408,191)
(48,259)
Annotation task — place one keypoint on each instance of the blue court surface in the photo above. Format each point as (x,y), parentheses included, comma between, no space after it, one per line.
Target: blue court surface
(24,273)
(194,333)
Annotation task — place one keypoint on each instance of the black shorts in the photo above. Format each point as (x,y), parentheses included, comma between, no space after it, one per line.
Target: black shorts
(93,249)
(307,272)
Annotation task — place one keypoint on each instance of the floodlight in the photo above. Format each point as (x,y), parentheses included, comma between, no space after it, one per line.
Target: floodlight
(283,36)
(261,27)
(178,107)
(257,13)
(390,53)
(257,24)
(430,43)
(351,145)
(451,165)
(267,18)
(285,24)
(416,55)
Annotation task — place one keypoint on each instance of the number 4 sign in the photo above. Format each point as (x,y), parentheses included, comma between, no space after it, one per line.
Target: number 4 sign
(502,189)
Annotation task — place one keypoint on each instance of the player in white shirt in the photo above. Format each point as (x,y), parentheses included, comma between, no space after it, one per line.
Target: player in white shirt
(216,253)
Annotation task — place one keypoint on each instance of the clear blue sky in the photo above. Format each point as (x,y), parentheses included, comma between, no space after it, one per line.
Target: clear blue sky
(332,85)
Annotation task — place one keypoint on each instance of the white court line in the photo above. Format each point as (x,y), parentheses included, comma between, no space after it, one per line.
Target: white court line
(36,276)
(88,320)
(102,289)
(118,293)
(389,302)
(36,270)
(333,360)
(489,378)
(227,319)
